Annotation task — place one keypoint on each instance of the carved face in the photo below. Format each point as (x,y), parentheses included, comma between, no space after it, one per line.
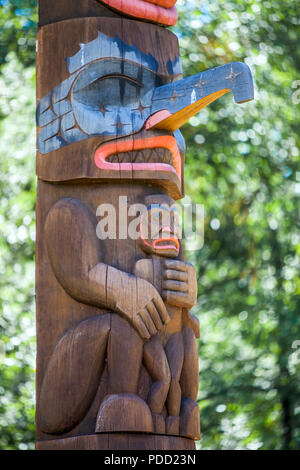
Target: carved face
(159,227)
(109,95)
(117,113)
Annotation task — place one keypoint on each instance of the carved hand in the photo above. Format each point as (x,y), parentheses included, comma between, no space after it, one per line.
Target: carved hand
(179,283)
(138,301)
(151,313)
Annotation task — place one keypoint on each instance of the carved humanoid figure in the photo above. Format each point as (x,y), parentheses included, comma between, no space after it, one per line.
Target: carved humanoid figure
(147,339)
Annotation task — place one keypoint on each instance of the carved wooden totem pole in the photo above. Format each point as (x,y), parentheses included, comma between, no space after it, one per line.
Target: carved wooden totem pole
(117,361)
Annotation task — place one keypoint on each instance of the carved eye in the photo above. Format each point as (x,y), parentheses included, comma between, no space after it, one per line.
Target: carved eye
(113,90)
(108,84)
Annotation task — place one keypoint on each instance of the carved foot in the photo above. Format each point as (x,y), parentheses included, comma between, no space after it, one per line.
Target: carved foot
(159,423)
(124,413)
(189,419)
(172,425)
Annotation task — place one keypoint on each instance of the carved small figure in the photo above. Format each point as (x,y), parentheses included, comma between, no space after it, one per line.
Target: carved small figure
(147,339)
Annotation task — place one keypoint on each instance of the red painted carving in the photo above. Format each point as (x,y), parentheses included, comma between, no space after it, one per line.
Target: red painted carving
(158,11)
(118,146)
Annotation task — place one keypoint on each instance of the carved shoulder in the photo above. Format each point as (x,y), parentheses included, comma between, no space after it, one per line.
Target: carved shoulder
(74,249)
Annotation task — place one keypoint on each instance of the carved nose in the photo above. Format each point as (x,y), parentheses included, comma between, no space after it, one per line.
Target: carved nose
(173,104)
(167,229)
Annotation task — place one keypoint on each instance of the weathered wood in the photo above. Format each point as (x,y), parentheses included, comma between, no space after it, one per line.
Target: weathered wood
(116,344)
(88,279)
(51,11)
(179,284)
(184,98)
(72,107)
(124,412)
(159,11)
(189,419)
(65,405)
(118,442)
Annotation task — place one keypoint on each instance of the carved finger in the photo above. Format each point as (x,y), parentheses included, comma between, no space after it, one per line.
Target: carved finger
(141,328)
(154,315)
(175,264)
(145,316)
(175,275)
(173,298)
(177,286)
(161,308)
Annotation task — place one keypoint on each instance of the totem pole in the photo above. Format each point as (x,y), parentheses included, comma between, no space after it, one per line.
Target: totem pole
(117,361)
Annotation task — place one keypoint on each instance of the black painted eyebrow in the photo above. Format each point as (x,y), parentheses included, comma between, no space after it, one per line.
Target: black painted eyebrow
(119,75)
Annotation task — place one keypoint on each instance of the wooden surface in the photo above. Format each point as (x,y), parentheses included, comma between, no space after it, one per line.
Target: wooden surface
(117,358)
(73,125)
(116,344)
(159,11)
(51,11)
(98,307)
(183,99)
(118,442)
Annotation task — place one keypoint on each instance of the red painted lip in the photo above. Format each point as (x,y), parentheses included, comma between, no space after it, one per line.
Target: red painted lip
(158,11)
(128,145)
(166,247)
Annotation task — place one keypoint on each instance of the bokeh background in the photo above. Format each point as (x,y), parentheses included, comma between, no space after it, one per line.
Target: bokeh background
(243,165)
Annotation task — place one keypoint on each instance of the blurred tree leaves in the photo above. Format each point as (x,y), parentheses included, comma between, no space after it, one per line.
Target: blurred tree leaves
(243,165)
(17,245)
(18,19)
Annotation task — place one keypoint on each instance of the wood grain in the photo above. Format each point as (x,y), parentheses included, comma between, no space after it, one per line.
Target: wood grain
(159,11)
(65,404)
(74,147)
(118,441)
(115,340)
(124,412)
(51,11)
(189,419)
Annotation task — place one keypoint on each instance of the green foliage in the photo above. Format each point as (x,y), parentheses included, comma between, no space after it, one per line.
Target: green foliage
(17,236)
(18,19)
(243,165)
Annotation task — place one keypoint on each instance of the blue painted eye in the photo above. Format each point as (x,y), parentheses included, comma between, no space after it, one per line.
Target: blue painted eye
(122,92)
(112,97)
(127,83)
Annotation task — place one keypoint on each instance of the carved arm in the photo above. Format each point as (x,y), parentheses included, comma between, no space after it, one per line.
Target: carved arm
(75,256)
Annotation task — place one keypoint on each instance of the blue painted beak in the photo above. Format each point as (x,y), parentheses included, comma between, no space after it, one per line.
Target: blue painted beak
(175,103)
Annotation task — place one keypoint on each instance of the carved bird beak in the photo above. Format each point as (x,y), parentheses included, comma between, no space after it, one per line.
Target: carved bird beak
(173,104)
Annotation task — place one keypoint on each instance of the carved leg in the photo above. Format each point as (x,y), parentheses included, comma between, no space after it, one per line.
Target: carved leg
(175,352)
(190,369)
(124,356)
(157,365)
(75,368)
(189,413)
(122,409)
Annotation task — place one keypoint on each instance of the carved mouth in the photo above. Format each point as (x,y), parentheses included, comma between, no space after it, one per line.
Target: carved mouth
(167,244)
(159,153)
(156,155)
